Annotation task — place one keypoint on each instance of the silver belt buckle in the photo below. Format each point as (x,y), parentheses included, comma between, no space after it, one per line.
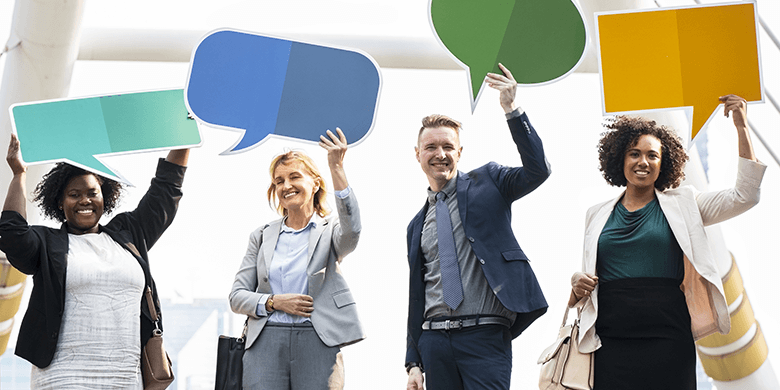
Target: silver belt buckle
(448,326)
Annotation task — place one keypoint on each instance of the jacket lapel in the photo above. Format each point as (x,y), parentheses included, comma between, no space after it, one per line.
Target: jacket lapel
(594,231)
(463,198)
(270,237)
(676,218)
(315,234)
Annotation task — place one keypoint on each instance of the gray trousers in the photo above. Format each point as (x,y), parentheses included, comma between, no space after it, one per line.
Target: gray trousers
(292,357)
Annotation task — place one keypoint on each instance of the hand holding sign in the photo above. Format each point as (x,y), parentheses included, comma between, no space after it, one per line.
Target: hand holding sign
(262,85)
(688,57)
(78,131)
(541,41)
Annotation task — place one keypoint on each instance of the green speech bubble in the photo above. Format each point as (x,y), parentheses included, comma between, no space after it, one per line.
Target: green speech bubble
(540,41)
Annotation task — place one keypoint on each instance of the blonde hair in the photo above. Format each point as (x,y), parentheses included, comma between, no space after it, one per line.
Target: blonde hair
(320,207)
(438,120)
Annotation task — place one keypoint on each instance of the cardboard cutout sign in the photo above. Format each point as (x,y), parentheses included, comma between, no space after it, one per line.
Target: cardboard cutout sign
(260,85)
(679,57)
(539,41)
(81,131)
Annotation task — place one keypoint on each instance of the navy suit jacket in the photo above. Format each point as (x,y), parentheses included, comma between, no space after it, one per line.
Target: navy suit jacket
(485,197)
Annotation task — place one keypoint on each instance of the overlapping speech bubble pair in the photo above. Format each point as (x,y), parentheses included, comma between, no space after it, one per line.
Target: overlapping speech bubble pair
(262,86)
(254,84)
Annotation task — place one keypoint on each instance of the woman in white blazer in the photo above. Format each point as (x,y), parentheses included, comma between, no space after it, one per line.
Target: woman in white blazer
(649,284)
(300,310)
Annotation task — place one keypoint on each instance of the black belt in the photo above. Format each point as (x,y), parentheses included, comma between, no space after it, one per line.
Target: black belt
(464,323)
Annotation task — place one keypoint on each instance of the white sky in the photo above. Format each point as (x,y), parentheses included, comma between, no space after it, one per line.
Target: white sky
(225,195)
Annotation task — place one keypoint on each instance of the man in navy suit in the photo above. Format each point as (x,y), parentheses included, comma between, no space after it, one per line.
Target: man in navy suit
(468,302)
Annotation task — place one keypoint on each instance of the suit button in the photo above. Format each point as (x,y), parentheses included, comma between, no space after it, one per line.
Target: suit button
(481,261)
(471,239)
(265,279)
(54,335)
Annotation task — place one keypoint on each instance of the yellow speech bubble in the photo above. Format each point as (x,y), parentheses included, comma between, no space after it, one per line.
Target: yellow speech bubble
(678,57)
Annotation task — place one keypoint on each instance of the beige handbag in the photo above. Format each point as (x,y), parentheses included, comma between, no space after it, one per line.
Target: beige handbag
(156,366)
(563,366)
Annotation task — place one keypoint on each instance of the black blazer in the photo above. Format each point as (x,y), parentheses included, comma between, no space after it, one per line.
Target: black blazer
(42,252)
(485,197)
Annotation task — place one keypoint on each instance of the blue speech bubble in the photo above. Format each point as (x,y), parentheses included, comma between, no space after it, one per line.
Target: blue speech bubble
(261,85)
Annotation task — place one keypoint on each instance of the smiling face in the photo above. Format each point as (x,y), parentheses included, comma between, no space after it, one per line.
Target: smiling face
(82,203)
(438,151)
(295,187)
(642,162)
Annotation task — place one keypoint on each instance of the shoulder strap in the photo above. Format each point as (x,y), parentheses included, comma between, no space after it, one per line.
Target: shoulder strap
(152,306)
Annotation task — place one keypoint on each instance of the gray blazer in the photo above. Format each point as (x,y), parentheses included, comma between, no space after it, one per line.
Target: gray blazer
(335,317)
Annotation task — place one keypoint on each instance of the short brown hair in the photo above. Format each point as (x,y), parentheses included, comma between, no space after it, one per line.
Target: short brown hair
(438,120)
(286,158)
(622,133)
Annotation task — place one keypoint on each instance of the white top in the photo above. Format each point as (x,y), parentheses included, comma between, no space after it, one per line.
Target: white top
(99,346)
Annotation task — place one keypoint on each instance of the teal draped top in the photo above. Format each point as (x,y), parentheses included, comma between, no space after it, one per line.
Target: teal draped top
(638,244)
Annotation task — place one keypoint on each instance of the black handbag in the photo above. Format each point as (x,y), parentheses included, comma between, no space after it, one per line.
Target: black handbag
(230,366)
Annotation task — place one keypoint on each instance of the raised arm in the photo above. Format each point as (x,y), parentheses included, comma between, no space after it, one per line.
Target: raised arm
(337,148)
(178,156)
(516,182)
(16,200)
(737,106)
(347,232)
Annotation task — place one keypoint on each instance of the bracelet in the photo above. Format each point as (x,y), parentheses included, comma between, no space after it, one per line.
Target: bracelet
(410,365)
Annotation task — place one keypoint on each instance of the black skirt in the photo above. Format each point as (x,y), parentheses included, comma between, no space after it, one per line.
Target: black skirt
(646,340)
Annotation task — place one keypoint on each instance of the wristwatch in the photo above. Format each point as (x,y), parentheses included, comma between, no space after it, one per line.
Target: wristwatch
(269,304)
(410,365)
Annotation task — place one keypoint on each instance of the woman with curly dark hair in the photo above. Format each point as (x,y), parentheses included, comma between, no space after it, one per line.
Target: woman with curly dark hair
(86,322)
(650,285)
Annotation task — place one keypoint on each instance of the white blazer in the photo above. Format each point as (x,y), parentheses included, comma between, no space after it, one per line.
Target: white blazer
(688,211)
(335,317)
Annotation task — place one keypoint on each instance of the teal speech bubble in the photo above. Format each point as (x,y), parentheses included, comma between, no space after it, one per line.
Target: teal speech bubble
(79,131)
(539,41)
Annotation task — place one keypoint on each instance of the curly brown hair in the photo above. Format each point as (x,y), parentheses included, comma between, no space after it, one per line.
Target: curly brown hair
(49,191)
(622,133)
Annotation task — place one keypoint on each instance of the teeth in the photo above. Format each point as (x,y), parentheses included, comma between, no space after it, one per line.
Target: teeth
(290,194)
(84,212)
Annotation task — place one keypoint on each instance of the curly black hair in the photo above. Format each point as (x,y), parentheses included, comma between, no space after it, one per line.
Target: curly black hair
(622,133)
(49,191)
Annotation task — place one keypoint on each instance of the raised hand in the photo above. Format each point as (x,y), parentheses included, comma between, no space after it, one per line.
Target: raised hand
(14,156)
(737,107)
(506,84)
(337,148)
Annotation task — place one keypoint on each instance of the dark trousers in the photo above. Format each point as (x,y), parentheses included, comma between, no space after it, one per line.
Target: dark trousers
(479,357)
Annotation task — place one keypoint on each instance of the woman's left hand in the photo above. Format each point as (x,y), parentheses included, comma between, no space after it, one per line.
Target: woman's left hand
(337,148)
(737,106)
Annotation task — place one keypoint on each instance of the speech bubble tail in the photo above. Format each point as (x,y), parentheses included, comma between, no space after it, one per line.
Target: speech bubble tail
(701,116)
(248,141)
(479,87)
(93,164)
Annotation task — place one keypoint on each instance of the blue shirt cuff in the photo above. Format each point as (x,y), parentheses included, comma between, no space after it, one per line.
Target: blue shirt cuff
(343,193)
(261,305)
